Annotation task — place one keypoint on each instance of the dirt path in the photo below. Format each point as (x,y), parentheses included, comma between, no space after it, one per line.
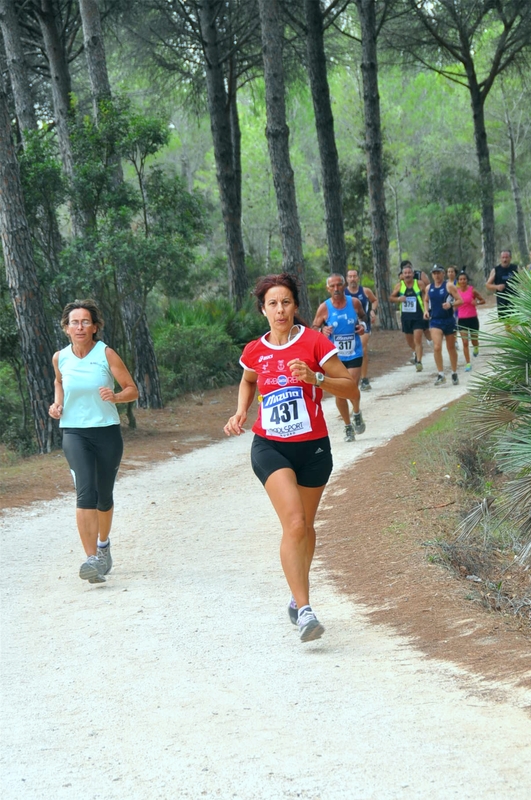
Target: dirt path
(182,676)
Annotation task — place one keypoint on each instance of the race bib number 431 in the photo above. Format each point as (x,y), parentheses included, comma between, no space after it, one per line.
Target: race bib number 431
(284,413)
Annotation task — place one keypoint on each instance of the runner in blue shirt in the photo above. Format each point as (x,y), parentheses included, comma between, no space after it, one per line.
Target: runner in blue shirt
(439,299)
(343,319)
(369,301)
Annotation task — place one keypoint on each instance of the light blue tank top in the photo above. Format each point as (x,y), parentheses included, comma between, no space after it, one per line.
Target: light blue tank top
(82,379)
(344,321)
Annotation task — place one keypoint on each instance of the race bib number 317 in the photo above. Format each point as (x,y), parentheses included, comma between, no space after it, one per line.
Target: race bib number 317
(284,413)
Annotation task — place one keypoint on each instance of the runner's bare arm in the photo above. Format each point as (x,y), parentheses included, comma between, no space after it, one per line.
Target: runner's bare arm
(128,391)
(394,296)
(491,286)
(320,317)
(338,380)
(426,301)
(246,394)
(452,290)
(56,408)
(360,311)
(373,300)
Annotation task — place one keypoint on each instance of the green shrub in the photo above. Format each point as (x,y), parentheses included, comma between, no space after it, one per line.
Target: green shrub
(16,430)
(241,326)
(195,358)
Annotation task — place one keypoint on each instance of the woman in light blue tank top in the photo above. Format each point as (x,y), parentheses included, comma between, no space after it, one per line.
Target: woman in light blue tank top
(85,405)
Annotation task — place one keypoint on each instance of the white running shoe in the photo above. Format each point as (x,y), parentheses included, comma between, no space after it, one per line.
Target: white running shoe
(309,626)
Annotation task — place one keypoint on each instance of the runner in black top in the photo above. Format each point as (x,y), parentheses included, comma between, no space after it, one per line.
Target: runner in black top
(423,281)
(409,294)
(499,281)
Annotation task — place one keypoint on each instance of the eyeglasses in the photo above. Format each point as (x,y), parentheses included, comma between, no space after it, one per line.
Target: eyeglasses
(85,323)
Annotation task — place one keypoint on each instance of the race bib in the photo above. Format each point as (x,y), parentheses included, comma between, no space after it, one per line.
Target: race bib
(345,343)
(409,306)
(284,413)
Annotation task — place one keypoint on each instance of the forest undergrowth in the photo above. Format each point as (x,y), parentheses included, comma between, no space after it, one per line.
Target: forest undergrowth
(487,555)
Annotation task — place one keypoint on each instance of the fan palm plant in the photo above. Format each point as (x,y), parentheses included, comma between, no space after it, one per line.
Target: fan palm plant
(502,415)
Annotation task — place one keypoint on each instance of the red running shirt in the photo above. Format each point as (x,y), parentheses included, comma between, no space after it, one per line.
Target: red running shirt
(288,408)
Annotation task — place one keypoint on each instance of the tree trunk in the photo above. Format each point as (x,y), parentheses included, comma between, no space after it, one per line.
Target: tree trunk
(60,82)
(47,230)
(16,63)
(225,129)
(277,133)
(515,186)
(61,89)
(145,369)
(324,122)
(375,172)
(397,222)
(95,53)
(21,275)
(240,282)
(485,172)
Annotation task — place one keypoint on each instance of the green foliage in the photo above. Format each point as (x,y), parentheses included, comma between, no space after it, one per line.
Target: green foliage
(453,197)
(147,231)
(198,345)
(502,413)
(41,175)
(356,215)
(195,358)
(97,189)
(16,430)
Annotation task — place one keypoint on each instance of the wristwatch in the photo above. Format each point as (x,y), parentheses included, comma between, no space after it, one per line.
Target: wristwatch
(319,378)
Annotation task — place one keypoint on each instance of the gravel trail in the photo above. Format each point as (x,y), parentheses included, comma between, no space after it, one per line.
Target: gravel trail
(181,677)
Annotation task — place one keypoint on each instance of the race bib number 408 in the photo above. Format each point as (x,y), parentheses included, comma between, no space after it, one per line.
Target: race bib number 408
(284,413)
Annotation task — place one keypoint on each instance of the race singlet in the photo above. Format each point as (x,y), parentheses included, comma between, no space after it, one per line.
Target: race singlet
(284,413)
(409,306)
(345,343)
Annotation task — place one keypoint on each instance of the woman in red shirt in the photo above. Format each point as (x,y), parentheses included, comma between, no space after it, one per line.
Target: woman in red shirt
(290,453)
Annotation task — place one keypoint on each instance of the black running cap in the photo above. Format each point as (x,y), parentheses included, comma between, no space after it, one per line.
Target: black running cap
(437,268)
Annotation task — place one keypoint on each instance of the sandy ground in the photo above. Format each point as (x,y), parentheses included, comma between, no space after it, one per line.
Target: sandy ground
(182,676)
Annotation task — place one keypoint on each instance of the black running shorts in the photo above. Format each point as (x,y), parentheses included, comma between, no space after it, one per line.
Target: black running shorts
(353,363)
(411,325)
(311,461)
(468,324)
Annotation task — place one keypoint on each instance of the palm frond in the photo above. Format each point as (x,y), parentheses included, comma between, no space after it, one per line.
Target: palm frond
(500,414)
(480,515)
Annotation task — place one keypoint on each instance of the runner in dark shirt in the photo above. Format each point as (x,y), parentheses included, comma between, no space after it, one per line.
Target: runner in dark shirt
(500,280)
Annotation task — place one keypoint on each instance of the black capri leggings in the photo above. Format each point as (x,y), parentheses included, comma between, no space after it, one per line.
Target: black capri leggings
(94,456)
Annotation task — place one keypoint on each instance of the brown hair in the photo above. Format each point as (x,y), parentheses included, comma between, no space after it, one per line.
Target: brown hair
(90,306)
(267,282)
